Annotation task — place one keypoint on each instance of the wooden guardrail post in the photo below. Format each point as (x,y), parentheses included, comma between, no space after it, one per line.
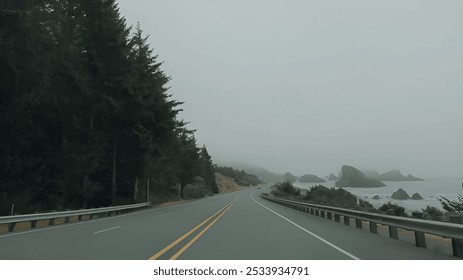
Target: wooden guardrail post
(420,239)
(373,227)
(66,220)
(11,227)
(337,218)
(393,233)
(358,223)
(346,220)
(457,246)
(329,215)
(34,224)
(322,214)
(51,222)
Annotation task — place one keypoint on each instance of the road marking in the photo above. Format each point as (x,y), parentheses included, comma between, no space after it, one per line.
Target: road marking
(307,231)
(171,245)
(167,214)
(192,241)
(3,235)
(108,229)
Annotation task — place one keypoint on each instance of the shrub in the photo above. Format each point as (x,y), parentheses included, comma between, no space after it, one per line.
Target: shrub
(285,189)
(398,210)
(193,191)
(452,206)
(330,196)
(433,212)
(197,189)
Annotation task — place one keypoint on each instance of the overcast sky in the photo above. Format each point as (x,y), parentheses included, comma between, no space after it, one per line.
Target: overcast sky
(307,86)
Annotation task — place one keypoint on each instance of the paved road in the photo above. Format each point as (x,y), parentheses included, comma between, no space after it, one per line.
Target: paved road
(237,225)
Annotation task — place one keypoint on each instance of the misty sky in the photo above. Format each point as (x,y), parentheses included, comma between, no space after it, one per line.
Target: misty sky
(307,86)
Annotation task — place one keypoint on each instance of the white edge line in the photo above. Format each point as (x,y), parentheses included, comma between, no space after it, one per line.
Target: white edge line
(167,214)
(100,231)
(309,232)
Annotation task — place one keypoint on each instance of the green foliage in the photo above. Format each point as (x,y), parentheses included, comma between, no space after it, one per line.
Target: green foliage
(85,117)
(433,213)
(196,190)
(285,189)
(396,209)
(330,196)
(452,206)
(239,176)
(365,204)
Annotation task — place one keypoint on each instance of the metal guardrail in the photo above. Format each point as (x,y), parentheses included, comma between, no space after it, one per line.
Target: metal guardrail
(418,226)
(34,218)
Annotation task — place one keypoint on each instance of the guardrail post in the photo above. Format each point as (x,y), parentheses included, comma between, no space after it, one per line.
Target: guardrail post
(393,233)
(322,214)
(329,216)
(358,223)
(346,220)
(317,213)
(457,246)
(66,220)
(312,211)
(79,218)
(51,222)
(337,218)
(11,227)
(420,239)
(373,227)
(34,224)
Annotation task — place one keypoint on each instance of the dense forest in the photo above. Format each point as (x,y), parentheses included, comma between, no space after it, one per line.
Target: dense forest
(85,116)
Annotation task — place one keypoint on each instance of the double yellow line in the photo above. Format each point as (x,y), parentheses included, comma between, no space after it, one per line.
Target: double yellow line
(216,215)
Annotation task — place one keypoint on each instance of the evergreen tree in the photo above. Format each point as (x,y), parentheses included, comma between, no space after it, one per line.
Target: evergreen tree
(85,116)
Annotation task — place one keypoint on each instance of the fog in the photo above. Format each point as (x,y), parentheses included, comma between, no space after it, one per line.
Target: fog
(307,86)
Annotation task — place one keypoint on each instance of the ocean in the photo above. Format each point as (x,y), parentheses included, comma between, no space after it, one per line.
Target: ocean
(430,190)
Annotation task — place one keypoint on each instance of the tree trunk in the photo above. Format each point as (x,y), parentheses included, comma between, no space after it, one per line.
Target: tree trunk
(113,184)
(135,190)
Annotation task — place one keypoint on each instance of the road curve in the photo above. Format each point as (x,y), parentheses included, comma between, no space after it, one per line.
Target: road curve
(232,226)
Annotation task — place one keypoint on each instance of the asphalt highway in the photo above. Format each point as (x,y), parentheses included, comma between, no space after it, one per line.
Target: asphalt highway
(231,226)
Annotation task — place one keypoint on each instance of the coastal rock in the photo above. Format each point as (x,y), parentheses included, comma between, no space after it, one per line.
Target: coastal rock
(354,178)
(332,177)
(310,178)
(288,177)
(400,194)
(395,175)
(375,197)
(417,196)
(371,173)
(410,177)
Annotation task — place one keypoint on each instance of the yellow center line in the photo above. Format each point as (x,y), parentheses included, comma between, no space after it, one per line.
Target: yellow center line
(181,251)
(171,245)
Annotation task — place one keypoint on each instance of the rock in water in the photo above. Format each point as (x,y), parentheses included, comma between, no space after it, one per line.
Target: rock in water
(417,196)
(332,177)
(288,177)
(310,178)
(400,194)
(395,175)
(354,178)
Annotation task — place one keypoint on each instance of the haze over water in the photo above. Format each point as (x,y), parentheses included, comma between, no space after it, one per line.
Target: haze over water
(430,190)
